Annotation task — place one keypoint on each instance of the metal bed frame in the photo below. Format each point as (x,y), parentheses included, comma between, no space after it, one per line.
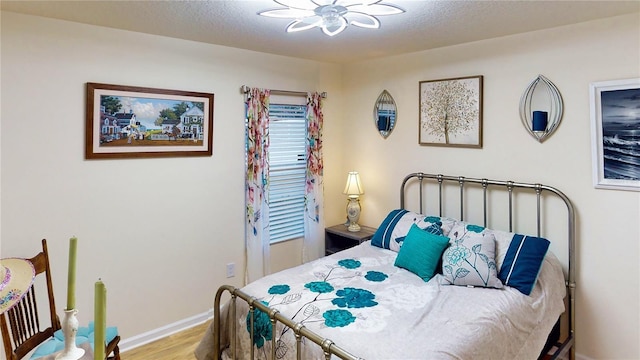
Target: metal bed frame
(564,347)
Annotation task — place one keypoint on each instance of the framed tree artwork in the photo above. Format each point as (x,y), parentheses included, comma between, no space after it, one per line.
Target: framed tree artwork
(451,112)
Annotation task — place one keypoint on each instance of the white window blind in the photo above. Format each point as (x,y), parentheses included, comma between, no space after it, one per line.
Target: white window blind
(287,168)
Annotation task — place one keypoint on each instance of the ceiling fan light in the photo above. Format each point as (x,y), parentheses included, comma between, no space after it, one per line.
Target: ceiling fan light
(377,9)
(332,16)
(316,20)
(335,29)
(297,4)
(363,20)
(320,2)
(300,25)
(287,13)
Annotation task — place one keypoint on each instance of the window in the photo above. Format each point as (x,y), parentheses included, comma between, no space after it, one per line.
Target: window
(287,169)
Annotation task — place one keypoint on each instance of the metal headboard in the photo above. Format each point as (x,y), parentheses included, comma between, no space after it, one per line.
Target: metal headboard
(446,181)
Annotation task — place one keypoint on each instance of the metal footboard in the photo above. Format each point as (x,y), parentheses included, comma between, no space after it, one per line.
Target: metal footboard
(300,331)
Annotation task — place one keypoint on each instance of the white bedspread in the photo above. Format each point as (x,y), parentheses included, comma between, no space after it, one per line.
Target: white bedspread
(347,298)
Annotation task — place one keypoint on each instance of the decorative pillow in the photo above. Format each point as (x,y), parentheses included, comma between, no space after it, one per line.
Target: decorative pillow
(523,262)
(503,240)
(394,228)
(470,260)
(421,252)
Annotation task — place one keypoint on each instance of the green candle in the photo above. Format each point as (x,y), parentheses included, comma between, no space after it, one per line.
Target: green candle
(71,283)
(100,321)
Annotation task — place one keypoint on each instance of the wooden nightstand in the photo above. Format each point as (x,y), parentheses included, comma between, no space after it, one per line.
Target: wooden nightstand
(337,238)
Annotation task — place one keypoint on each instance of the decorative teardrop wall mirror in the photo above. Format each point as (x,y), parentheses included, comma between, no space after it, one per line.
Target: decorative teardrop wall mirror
(385,114)
(541,108)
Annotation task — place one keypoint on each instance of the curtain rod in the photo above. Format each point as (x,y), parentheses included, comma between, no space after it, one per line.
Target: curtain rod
(245,90)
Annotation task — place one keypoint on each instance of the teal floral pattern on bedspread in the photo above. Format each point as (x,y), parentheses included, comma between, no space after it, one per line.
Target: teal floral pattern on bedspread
(333,304)
(262,329)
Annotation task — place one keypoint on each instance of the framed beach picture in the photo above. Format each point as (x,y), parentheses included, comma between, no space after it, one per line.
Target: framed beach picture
(140,122)
(615,134)
(451,112)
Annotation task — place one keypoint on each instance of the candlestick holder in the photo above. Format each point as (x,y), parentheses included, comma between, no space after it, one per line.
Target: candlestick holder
(544,97)
(70,329)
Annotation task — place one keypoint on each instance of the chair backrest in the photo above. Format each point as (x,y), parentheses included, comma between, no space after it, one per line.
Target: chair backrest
(20,326)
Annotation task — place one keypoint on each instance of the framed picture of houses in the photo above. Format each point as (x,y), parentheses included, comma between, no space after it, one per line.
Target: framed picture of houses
(139,122)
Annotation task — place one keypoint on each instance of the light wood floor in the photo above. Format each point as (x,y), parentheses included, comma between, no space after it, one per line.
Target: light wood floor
(179,346)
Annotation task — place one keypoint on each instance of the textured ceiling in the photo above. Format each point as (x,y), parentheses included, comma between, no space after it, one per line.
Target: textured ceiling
(426,24)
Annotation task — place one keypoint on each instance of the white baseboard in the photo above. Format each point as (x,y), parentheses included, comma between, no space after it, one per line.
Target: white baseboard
(159,333)
(582,357)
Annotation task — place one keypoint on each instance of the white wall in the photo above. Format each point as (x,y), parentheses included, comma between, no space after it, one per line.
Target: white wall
(158,272)
(608,281)
(159,232)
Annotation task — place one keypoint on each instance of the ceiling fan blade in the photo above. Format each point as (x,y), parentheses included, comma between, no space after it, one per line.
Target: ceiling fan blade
(362,20)
(287,13)
(299,25)
(376,9)
(332,30)
(323,2)
(297,4)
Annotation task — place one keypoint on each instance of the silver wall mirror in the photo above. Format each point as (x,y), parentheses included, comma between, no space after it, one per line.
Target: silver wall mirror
(385,114)
(541,108)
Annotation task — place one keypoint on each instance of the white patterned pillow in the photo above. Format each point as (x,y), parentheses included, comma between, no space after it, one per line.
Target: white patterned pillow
(470,259)
(503,240)
(394,228)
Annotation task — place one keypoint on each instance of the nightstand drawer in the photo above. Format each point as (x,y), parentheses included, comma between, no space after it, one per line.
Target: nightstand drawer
(338,238)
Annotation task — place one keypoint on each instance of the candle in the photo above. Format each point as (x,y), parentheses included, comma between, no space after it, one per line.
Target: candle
(539,121)
(71,283)
(383,123)
(99,321)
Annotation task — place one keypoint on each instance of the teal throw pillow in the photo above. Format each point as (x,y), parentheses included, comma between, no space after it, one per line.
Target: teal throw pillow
(421,252)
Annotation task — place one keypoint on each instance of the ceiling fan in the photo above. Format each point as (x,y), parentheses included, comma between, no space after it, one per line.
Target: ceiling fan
(332,16)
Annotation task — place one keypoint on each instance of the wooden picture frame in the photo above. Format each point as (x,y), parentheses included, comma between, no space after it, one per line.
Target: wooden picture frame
(451,112)
(140,122)
(615,134)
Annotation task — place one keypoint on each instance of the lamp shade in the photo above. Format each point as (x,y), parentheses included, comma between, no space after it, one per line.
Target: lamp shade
(354,185)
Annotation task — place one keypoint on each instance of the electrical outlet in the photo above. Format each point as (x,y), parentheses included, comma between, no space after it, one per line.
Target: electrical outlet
(231,270)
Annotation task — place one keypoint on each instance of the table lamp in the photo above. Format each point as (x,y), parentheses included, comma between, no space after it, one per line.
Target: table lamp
(353,190)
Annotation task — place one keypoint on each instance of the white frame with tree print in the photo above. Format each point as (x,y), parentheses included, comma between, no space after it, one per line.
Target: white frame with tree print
(451,112)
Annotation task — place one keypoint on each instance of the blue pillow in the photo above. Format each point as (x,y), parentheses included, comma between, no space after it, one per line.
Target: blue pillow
(421,252)
(394,228)
(523,261)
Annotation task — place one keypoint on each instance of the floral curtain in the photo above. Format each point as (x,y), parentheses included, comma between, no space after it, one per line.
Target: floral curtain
(256,185)
(314,204)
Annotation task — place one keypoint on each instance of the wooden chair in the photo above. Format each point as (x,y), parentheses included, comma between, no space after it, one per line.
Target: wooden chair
(20,326)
